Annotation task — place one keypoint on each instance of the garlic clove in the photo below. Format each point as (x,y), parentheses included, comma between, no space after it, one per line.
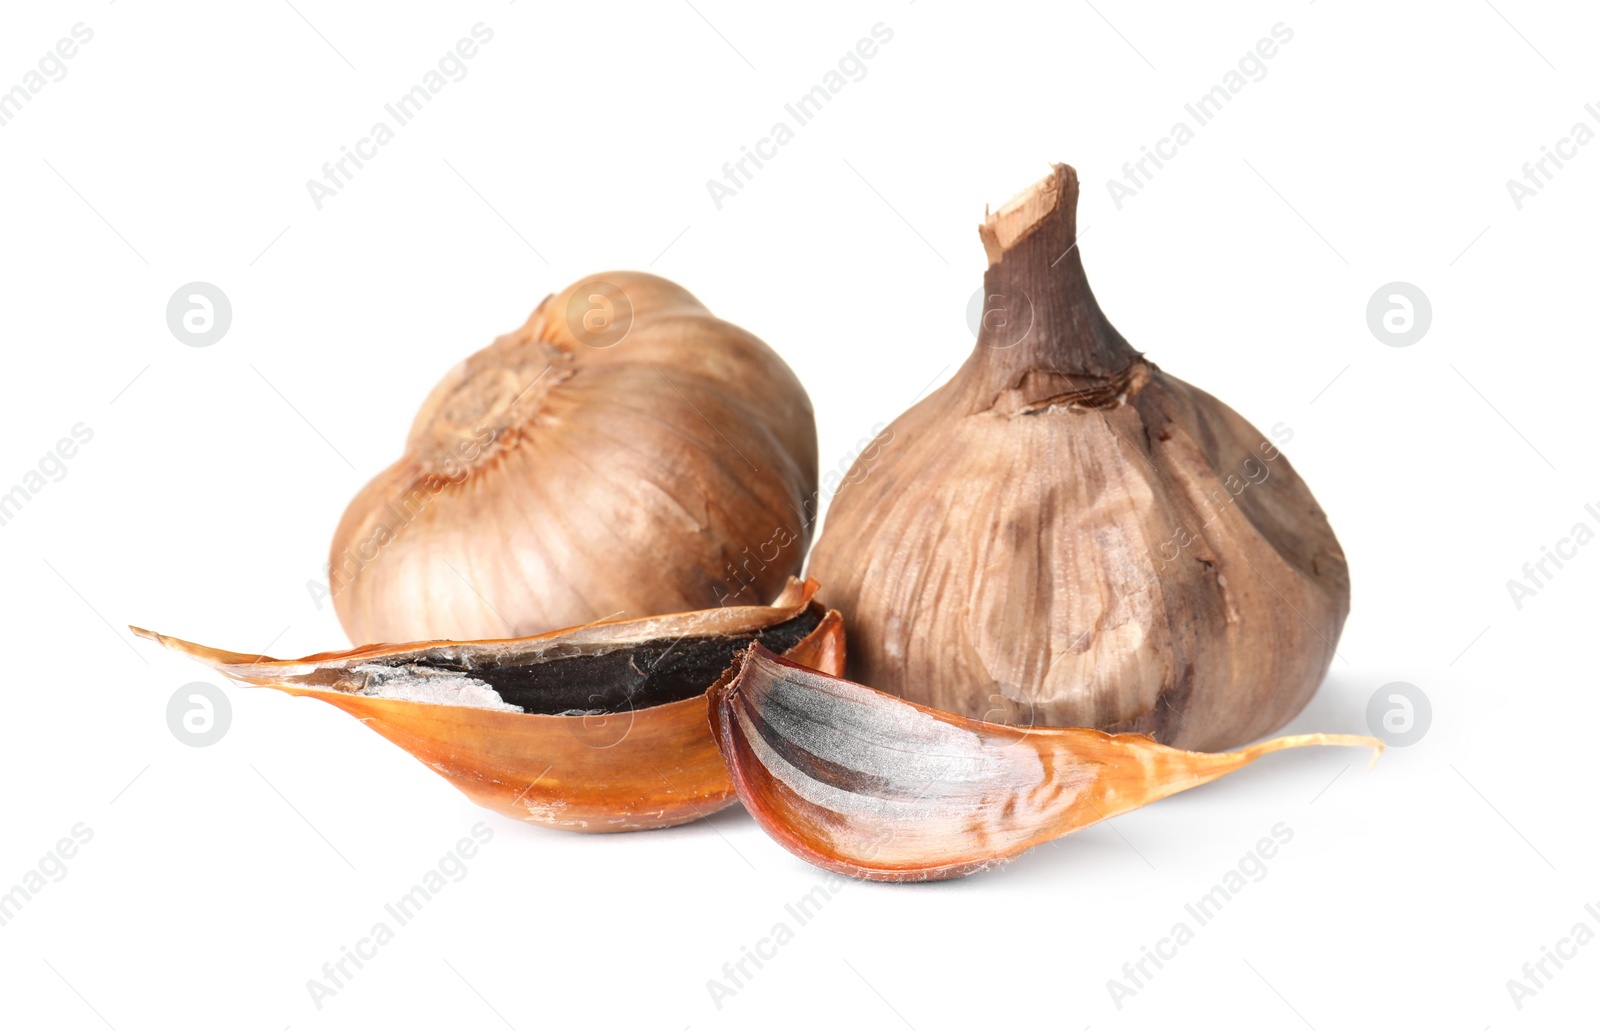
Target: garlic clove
(597,728)
(1066,535)
(870,785)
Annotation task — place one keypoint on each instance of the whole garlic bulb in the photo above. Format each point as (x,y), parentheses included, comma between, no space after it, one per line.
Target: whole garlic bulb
(1065,535)
(624,453)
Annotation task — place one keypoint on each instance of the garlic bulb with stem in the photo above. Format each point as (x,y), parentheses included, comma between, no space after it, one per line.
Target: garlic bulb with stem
(624,453)
(1065,535)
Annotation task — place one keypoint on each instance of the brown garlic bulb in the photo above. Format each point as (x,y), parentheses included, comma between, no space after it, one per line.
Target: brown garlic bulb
(1065,535)
(624,453)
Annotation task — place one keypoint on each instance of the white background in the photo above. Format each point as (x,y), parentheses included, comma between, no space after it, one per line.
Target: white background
(1377,148)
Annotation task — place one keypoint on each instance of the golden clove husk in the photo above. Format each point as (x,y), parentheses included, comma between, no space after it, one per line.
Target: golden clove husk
(597,728)
(873,786)
(625,452)
(1065,535)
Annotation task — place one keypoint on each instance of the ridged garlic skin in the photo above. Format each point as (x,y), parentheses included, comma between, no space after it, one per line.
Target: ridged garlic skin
(624,453)
(1065,535)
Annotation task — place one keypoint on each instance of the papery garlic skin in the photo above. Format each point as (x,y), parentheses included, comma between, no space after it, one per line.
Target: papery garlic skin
(624,453)
(1065,535)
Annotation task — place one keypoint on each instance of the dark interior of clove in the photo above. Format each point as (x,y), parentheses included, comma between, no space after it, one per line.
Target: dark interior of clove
(635,677)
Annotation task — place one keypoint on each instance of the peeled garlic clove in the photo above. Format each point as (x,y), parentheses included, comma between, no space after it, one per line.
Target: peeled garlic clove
(1066,535)
(623,453)
(596,728)
(867,784)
